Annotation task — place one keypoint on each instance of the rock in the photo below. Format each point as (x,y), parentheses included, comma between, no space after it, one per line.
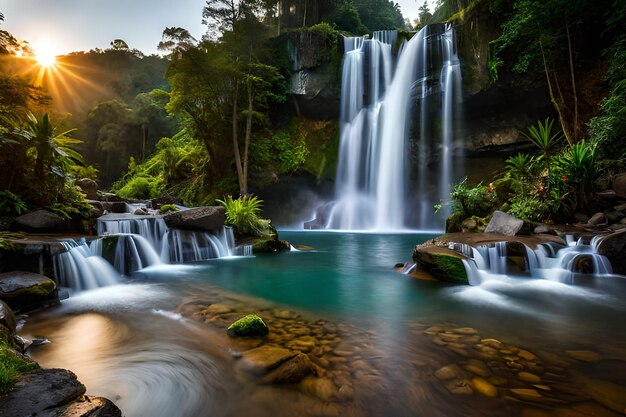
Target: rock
(141,212)
(504,224)
(526,393)
(156,203)
(97,209)
(443,263)
(477,368)
(449,372)
(22,290)
(114,206)
(483,387)
(614,216)
(581,218)
(612,396)
(613,246)
(208,219)
(38,392)
(468,225)
(623,221)
(583,355)
(459,387)
(322,388)
(88,187)
(276,365)
(528,377)
(7,319)
(544,229)
(266,244)
(112,198)
(88,406)
(619,184)
(248,326)
(40,221)
(598,219)
(524,354)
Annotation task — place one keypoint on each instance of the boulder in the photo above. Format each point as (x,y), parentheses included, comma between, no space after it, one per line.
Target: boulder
(275,365)
(581,218)
(544,229)
(24,290)
(619,184)
(207,219)
(88,187)
(613,246)
(504,224)
(7,319)
(114,206)
(442,263)
(97,209)
(598,219)
(40,221)
(468,225)
(614,216)
(156,203)
(88,406)
(248,326)
(141,212)
(111,198)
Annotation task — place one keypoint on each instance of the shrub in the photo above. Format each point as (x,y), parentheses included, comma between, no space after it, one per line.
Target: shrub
(168,208)
(529,209)
(11,204)
(577,172)
(243,215)
(472,200)
(140,187)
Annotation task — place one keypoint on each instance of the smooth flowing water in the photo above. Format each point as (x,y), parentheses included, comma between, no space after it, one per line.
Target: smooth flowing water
(129,343)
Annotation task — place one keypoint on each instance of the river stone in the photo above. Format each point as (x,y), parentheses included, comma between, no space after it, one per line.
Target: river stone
(39,391)
(598,219)
(40,221)
(610,395)
(619,184)
(528,377)
(449,372)
(22,290)
(207,219)
(291,371)
(322,388)
(526,393)
(477,367)
(504,224)
(583,355)
(544,229)
(524,354)
(459,387)
(276,365)
(613,246)
(86,406)
(483,387)
(250,325)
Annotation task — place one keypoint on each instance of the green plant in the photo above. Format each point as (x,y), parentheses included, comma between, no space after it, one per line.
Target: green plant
(168,208)
(520,166)
(11,366)
(471,200)
(493,65)
(69,202)
(7,244)
(11,204)
(529,209)
(577,172)
(243,215)
(541,136)
(140,187)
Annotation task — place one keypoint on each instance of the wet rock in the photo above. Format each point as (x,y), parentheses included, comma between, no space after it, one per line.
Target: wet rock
(524,354)
(583,355)
(612,396)
(87,406)
(465,331)
(613,246)
(526,393)
(141,212)
(598,219)
(581,218)
(111,198)
(450,338)
(40,221)
(443,263)
(494,343)
(7,319)
(248,326)
(498,380)
(618,184)
(218,309)
(276,365)
(504,224)
(23,290)
(38,392)
(528,377)
(322,388)
(449,372)
(544,229)
(207,219)
(88,187)
(468,225)
(459,387)
(157,203)
(477,367)
(483,387)
(346,392)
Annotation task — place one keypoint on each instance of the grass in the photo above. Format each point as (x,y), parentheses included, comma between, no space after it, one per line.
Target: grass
(12,365)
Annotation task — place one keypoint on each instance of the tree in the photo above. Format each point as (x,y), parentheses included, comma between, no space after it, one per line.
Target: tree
(119,45)
(176,40)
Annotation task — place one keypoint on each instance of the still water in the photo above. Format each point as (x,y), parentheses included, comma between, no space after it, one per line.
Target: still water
(129,342)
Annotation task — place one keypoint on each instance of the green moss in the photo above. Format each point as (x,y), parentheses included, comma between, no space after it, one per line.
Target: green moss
(43,289)
(323,144)
(168,208)
(453,222)
(250,325)
(443,263)
(12,365)
(451,268)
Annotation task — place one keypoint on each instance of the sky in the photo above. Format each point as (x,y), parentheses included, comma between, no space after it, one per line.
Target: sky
(80,25)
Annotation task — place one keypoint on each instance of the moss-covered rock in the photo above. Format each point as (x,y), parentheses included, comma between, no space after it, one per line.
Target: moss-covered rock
(443,263)
(23,290)
(506,188)
(453,222)
(248,326)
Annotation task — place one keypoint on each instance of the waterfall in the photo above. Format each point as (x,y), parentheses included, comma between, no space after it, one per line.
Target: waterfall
(81,269)
(548,261)
(373,187)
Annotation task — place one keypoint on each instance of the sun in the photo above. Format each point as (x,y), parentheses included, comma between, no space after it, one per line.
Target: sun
(45,54)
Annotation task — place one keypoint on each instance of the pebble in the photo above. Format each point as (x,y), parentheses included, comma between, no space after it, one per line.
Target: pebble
(478,368)
(483,387)
(460,387)
(436,340)
(528,377)
(449,372)
(494,343)
(524,354)
(526,393)
(465,330)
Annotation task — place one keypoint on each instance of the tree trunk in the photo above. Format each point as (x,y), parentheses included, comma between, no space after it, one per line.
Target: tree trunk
(246,145)
(235,139)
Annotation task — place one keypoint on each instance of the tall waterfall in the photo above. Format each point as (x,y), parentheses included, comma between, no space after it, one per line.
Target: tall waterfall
(388,109)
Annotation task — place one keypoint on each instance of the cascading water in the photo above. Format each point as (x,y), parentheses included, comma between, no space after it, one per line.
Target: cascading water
(80,268)
(373,184)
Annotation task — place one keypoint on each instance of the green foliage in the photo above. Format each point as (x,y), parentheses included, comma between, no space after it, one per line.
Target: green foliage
(471,200)
(529,209)
(141,188)
(11,366)
(520,166)
(243,215)
(542,137)
(493,65)
(168,208)
(250,325)
(11,205)
(577,172)
(7,244)
(71,202)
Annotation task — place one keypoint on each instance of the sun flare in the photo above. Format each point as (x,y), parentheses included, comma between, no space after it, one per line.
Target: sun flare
(45,54)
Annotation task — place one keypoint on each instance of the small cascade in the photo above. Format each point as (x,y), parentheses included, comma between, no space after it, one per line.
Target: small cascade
(549,261)
(380,95)
(80,268)
(191,246)
(126,252)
